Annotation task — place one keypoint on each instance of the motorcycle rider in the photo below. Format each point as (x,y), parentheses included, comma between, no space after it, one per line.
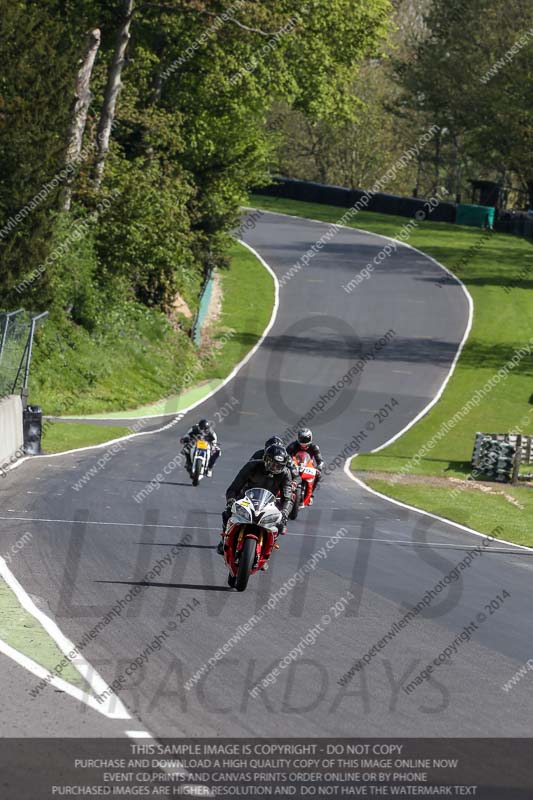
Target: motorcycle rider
(268,473)
(202,430)
(304,441)
(277,440)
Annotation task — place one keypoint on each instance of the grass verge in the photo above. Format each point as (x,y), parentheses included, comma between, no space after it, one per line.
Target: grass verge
(22,631)
(481,512)
(248,298)
(498,272)
(61,436)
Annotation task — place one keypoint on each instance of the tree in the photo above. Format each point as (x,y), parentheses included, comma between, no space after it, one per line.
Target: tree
(113,87)
(39,58)
(473,76)
(82,101)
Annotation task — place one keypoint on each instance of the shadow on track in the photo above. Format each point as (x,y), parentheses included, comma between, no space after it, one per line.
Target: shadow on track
(172,585)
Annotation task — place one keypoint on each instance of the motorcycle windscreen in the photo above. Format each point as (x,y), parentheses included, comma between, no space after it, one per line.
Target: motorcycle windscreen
(303,459)
(260,498)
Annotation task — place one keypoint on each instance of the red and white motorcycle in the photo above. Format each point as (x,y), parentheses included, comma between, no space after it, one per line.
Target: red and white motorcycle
(251,535)
(304,488)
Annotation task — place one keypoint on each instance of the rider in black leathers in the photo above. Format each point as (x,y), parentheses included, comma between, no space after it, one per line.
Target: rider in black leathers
(258,455)
(269,473)
(202,430)
(304,441)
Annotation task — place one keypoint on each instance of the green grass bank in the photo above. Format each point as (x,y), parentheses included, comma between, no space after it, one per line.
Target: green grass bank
(149,368)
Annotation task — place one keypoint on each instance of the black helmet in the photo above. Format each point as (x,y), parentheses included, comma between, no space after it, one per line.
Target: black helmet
(204,425)
(273,440)
(275,458)
(305,437)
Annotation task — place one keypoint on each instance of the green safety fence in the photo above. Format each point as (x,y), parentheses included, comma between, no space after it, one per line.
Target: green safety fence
(475,216)
(203,308)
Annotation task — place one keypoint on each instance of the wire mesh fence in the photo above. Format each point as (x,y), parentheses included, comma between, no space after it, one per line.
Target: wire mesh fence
(17,329)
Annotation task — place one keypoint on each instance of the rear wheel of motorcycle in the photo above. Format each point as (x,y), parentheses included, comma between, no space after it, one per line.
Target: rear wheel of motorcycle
(196,474)
(231,580)
(296,505)
(245,564)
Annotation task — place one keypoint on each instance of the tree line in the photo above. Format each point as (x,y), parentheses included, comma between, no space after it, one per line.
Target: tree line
(130,132)
(464,66)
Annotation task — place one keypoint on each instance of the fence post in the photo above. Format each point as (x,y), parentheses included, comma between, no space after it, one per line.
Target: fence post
(34,322)
(4,337)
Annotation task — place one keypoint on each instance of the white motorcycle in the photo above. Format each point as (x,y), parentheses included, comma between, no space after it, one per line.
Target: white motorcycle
(251,534)
(200,457)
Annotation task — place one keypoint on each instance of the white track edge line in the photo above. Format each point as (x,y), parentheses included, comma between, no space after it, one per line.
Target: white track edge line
(42,673)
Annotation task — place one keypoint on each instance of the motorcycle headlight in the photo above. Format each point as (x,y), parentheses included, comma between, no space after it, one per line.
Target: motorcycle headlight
(270,520)
(240,513)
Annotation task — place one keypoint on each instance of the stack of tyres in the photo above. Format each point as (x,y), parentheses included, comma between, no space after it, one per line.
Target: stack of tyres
(493,458)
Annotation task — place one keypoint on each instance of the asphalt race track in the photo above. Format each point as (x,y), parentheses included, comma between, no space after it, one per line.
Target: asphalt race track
(92,546)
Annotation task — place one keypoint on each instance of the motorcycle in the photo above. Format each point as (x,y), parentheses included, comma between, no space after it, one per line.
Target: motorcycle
(200,457)
(250,535)
(304,488)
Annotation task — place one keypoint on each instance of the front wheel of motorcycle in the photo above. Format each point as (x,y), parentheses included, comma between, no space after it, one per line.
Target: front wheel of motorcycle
(245,564)
(196,473)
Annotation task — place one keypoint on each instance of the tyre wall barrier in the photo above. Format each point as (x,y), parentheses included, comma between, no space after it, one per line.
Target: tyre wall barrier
(515,225)
(380,203)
